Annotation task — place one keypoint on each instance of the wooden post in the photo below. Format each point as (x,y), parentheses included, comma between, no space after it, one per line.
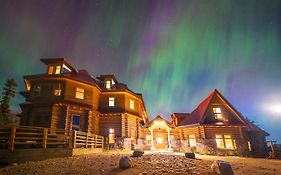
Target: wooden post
(45,137)
(86,140)
(273,155)
(96,141)
(12,138)
(102,142)
(74,139)
(70,139)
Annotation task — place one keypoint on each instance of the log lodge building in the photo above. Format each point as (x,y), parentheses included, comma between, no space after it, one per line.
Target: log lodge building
(71,99)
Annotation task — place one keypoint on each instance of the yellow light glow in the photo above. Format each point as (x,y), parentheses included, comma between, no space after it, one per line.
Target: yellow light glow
(159,140)
(159,122)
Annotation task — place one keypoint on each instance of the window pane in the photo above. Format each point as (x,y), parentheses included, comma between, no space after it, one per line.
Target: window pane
(111,101)
(58,68)
(50,70)
(192,142)
(227,136)
(228,144)
(75,122)
(132,104)
(79,93)
(220,143)
(57,90)
(107,85)
(218,136)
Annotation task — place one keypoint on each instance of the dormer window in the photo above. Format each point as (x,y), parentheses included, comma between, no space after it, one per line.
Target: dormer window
(58,70)
(132,104)
(50,70)
(107,84)
(217,113)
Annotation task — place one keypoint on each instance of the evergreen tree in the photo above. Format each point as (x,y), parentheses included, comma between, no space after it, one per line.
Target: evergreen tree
(7,94)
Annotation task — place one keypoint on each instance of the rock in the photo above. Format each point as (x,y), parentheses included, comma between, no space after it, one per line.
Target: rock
(137,153)
(14,164)
(222,168)
(190,155)
(125,162)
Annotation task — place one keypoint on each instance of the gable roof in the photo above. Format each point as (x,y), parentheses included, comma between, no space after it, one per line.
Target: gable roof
(199,114)
(159,118)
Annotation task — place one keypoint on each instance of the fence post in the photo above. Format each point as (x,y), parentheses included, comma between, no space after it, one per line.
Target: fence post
(45,137)
(12,138)
(96,141)
(74,139)
(102,141)
(86,140)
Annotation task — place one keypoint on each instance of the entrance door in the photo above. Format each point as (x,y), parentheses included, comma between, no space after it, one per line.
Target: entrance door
(161,140)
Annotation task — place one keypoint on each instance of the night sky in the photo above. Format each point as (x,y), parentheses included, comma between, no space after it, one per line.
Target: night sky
(174,52)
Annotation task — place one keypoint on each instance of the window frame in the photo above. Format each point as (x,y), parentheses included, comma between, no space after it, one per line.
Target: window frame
(132,104)
(192,140)
(217,113)
(51,69)
(76,126)
(225,141)
(79,91)
(111,101)
(107,84)
(57,69)
(57,90)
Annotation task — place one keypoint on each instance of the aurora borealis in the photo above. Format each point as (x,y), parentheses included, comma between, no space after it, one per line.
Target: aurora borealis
(174,52)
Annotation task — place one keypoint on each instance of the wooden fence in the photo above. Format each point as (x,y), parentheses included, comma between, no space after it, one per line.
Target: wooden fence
(21,137)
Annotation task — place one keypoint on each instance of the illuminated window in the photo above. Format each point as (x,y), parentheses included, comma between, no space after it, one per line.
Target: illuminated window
(79,93)
(217,113)
(107,84)
(228,142)
(50,70)
(57,90)
(111,136)
(148,137)
(58,69)
(37,90)
(225,141)
(159,140)
(111,131)
(132,104)
(192,140)
(111,101)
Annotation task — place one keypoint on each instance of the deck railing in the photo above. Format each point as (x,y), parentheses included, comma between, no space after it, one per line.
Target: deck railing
(87,140)
(20,137)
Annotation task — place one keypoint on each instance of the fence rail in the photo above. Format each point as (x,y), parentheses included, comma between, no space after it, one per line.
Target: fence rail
(20,137)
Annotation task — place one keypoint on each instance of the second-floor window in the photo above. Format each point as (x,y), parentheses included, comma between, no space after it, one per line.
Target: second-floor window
(132,104)
(57,90)
(79,93)
(107,84)
(50,70)
(217,113)
(58,70)
(111,101)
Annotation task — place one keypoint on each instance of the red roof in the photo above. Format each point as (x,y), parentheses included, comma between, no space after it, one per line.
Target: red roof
(198,114)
